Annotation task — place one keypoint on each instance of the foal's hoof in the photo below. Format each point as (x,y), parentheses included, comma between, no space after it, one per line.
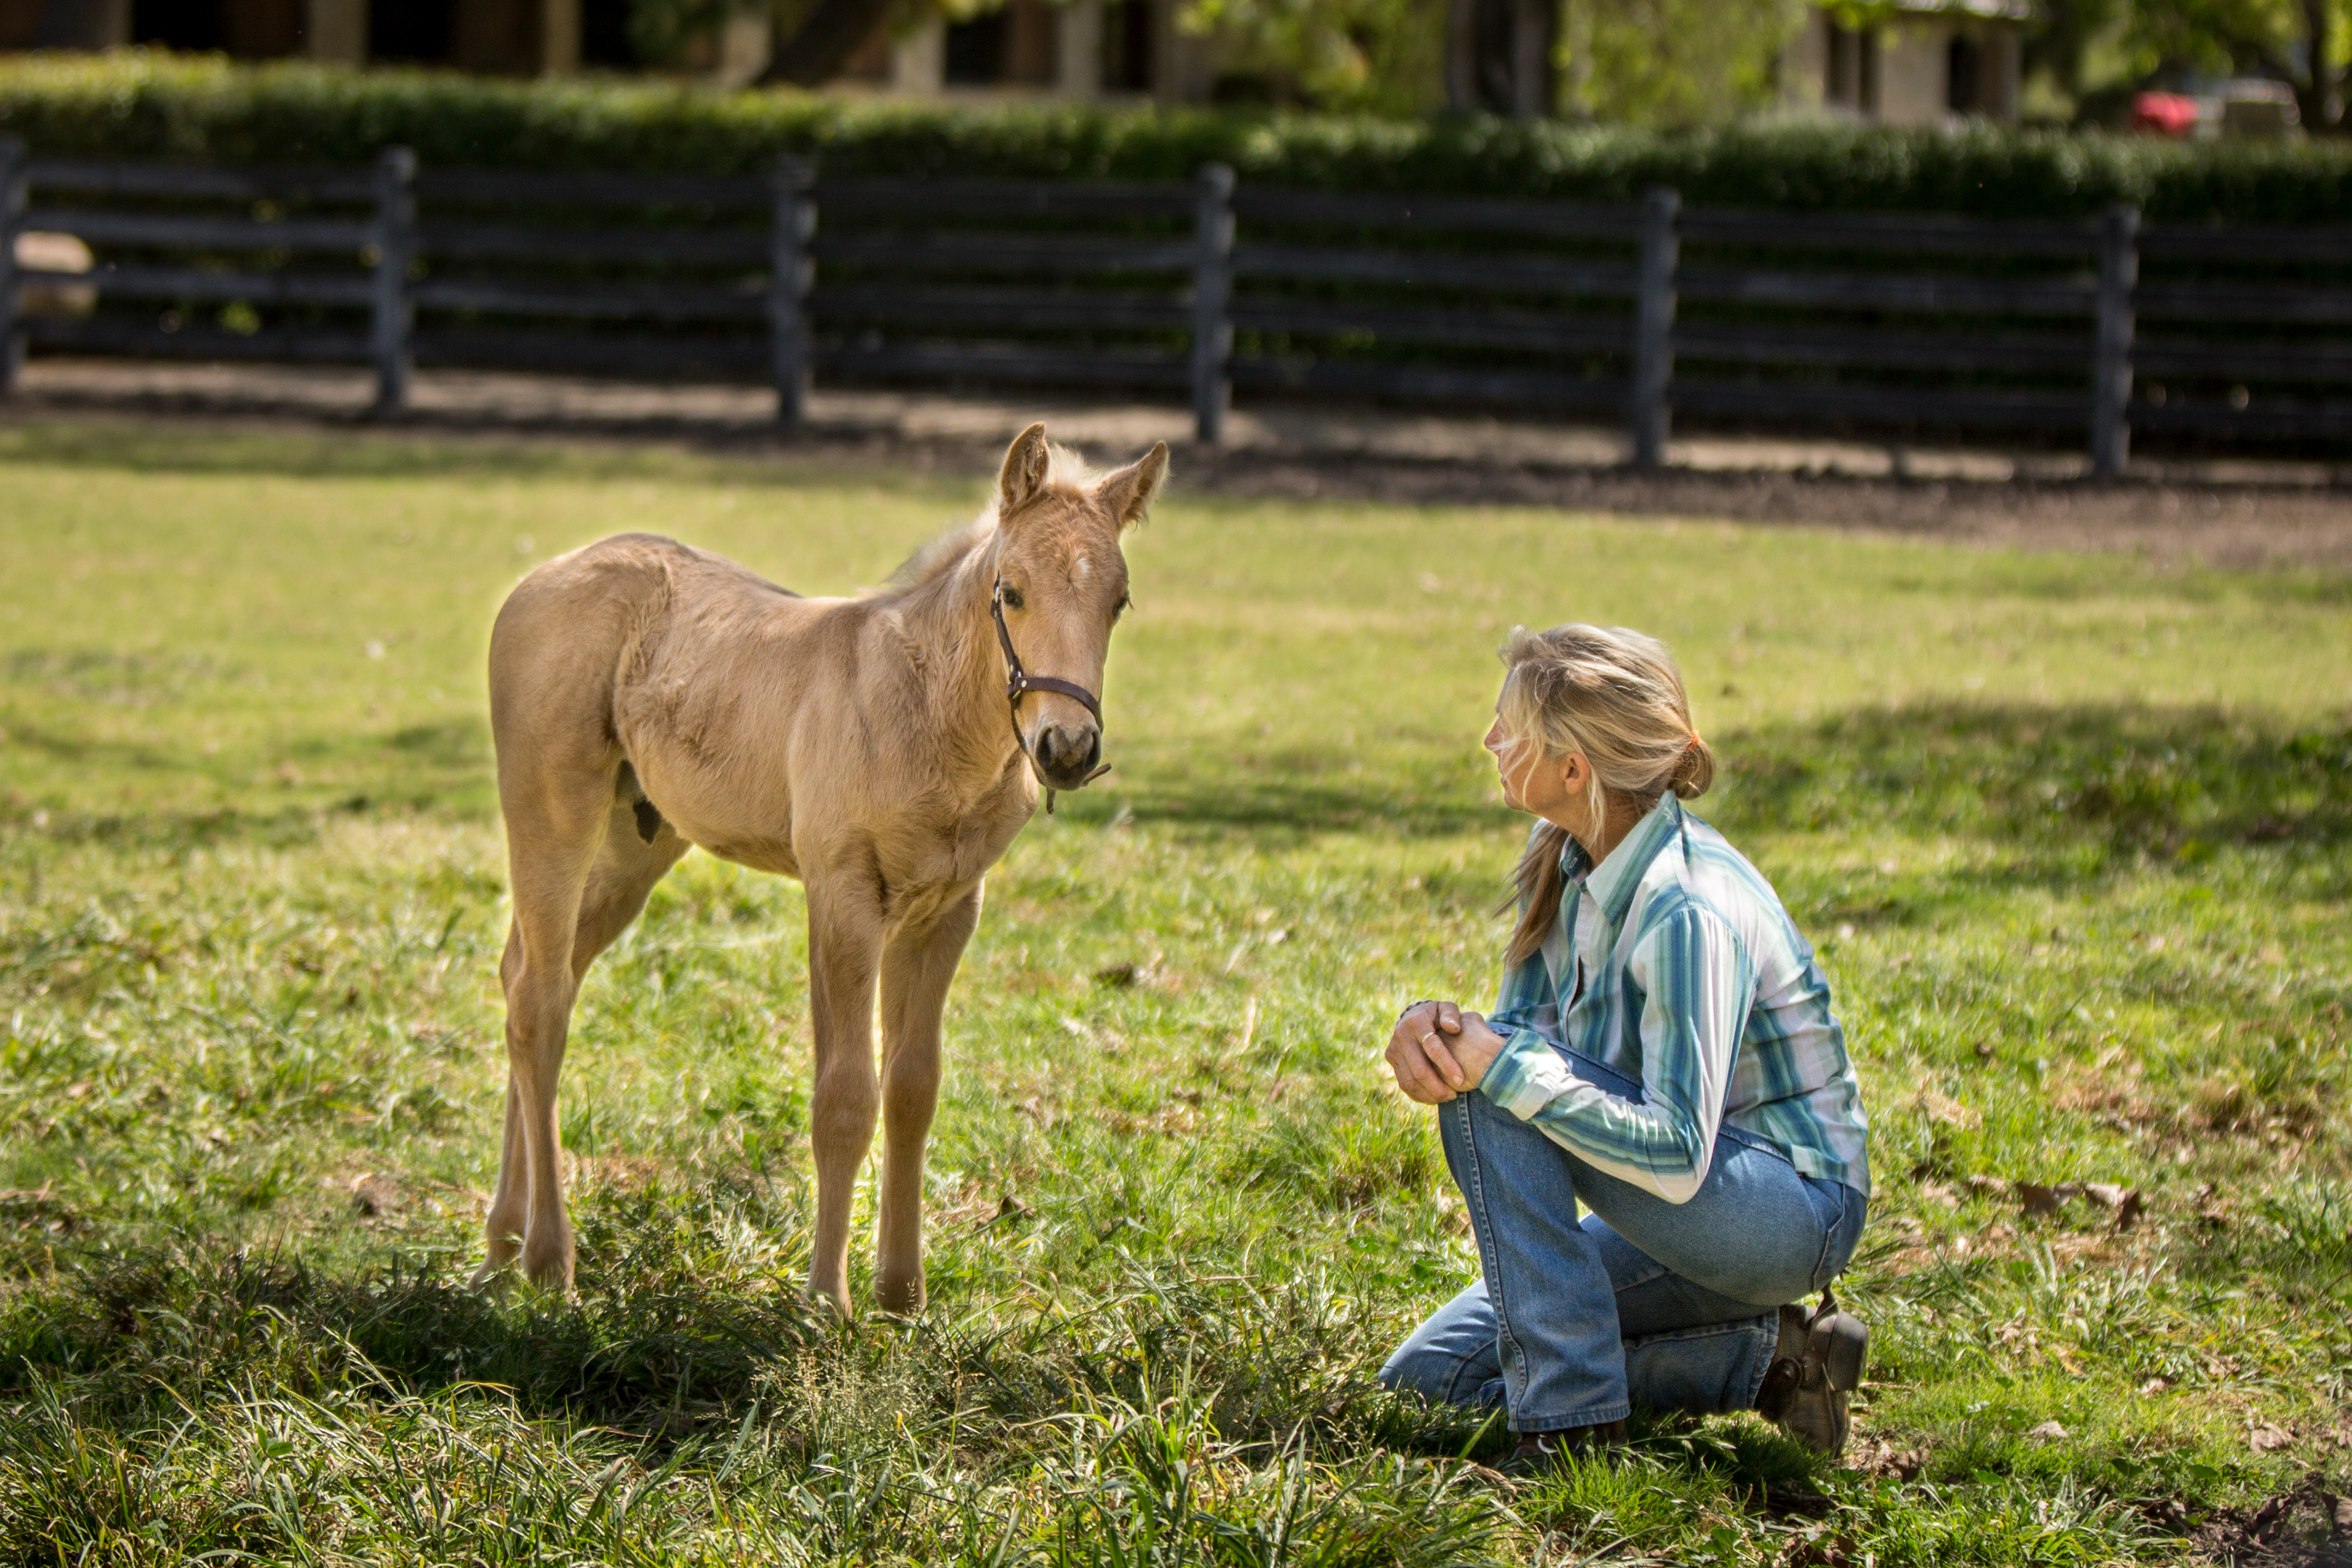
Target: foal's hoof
(831,1304)
(902,1297)
(547,1261)
(492,1277)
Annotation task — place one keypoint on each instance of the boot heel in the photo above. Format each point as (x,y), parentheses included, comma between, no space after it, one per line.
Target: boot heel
(1848,1347)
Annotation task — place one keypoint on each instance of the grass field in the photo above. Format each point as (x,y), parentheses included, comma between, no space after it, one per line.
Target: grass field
(2073,836)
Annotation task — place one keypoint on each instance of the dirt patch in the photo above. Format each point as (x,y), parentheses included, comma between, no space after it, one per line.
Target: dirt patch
(2235,514)
(2233,526)
(2309,1527)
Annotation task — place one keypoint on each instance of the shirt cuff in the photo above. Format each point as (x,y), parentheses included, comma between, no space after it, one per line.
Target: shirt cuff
(1525,1076)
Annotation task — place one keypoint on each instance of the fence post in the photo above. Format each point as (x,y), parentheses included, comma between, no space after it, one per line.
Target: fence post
(1213,295)
(2111,368)
(12,221)
(1653,326)
(395,249)
(789,273)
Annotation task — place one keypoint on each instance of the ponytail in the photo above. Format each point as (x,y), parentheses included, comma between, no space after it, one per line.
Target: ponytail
(1694,771)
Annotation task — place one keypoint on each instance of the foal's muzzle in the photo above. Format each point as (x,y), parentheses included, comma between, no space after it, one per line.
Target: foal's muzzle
(1065,757)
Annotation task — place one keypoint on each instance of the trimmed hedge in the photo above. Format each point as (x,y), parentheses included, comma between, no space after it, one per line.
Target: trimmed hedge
(149,106)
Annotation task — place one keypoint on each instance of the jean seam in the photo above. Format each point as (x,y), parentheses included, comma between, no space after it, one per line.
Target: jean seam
(1763,1368)
(1829,1239)
(1462,1364)
(1483,1223)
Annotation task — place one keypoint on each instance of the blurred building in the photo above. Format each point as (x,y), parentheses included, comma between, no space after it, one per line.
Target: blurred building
(1938,61)
(1084,48)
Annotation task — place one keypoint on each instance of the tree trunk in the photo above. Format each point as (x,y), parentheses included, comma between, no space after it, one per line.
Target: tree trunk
(2317,97)
(823,45)
(1462,56)
(1532,23)
(1499,56)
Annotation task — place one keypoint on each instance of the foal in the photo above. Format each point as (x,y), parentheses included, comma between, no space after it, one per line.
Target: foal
(646,696)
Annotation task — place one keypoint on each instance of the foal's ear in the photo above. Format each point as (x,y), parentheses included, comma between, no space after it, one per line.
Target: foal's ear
(1127,493)
(1023,474)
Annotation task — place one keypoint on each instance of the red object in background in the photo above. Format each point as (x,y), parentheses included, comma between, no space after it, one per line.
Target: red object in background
(2165,113)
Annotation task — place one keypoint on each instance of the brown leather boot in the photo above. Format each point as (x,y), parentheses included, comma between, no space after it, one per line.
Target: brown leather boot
(1817,1363)
(1539,1451)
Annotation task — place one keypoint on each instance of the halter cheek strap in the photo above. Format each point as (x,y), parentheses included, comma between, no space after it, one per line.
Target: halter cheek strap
(1018,681)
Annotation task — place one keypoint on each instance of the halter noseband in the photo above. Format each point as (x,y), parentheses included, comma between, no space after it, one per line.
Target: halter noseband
(1018,681)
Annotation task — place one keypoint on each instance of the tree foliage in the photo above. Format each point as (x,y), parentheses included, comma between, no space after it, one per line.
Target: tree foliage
(1381,56)
(1674,62)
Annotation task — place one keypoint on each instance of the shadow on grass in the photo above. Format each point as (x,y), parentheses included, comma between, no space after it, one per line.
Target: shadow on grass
(2066,793)
(362,451)
(2113,778)
(273,799)
(2125,777)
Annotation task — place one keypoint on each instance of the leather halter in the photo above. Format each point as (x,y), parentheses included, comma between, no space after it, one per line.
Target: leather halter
(1018,681)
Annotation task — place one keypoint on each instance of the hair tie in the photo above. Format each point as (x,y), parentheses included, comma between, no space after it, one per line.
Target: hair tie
(1694,741)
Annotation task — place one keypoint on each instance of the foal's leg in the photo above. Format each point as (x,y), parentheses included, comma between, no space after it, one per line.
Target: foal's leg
(624,873)
(917,966)
(511,1203)
(555,829)
(845,944)
(627,868)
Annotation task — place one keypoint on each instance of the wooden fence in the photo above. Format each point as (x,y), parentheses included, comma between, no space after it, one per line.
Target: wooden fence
(2075,330)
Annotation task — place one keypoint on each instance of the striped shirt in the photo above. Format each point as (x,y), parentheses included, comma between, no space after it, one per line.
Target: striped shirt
(1674,964)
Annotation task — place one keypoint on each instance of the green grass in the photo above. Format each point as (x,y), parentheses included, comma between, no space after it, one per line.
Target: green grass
(2073,836)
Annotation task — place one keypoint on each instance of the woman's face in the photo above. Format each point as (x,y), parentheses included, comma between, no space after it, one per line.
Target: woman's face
(1532,784)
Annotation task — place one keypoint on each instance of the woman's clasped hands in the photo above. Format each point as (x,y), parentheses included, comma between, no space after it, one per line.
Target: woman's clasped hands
(1439,1051)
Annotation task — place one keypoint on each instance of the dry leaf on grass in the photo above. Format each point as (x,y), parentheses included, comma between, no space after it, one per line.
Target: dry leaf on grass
(2038,1200)
(2268,1439)
(1809,1550)
(2049,1431)
(373,1194)
(1938,1106)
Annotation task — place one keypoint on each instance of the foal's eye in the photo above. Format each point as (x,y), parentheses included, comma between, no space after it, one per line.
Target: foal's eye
(1013,598)
(1124,605)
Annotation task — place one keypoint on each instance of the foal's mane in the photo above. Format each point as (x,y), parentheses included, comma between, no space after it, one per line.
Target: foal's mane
(1065,470)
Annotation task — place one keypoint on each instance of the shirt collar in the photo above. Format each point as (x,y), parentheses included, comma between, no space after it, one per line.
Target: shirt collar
(1613,882)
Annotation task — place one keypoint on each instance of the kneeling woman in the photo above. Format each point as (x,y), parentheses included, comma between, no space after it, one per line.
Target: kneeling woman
(1663,1051)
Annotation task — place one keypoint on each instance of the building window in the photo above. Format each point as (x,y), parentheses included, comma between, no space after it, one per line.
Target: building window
(1964,78)
(249,29)
(166,24)
(1126,45)
(604,35)
(1012,46)
(1849,69)
(417,32)
(975,51)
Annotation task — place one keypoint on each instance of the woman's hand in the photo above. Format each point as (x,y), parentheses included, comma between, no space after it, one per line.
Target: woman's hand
(1438,1051)
(1419,1053)
(1476,1048)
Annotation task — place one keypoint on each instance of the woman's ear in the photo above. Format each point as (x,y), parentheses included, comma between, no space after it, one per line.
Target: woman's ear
(1575,777)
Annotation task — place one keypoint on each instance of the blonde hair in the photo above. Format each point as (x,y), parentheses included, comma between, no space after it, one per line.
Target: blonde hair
(1615,696)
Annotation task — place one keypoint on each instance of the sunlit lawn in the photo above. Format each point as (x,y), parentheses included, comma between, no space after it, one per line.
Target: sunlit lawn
(2073,834)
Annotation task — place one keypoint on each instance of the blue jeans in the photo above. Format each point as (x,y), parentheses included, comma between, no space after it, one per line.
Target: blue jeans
(1673,1305)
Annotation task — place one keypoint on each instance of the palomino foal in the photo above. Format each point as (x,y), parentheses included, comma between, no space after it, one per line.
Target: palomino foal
(646,696)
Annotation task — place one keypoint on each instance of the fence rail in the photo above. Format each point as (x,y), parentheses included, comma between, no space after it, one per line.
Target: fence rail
(1196,287)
